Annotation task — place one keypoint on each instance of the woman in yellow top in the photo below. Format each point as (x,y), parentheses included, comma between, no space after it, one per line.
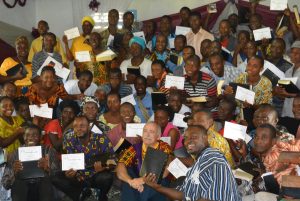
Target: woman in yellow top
(10,126)
(22,76)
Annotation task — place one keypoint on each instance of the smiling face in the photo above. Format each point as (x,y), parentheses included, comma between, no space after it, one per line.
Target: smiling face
(42,27)
(161,43)
(224,29)
(217,65)
(90,110)
(81,127)
(191,67)
(87,28)
(195,23)
(127,113)
(95,40)
(150,134)
(32,137)
(49,43)
(194,140)
(6,107)
(254,67)
(263,140)
(113,17)
(161,117)
(175,102)
(48,79)
(157,71)
(140,87)
(113,102)
(22,49)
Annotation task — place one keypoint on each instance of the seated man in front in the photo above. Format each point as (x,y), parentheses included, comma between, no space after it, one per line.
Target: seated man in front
(29,189)
(76,184)
(130,162)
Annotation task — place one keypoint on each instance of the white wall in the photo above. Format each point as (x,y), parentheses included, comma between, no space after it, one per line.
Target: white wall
(290,2)
(23,17)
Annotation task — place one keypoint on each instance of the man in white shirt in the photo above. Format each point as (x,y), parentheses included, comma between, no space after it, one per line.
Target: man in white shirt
(83,85)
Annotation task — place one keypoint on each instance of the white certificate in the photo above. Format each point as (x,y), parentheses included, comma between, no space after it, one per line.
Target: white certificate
(134,129)
(178,120)
(177,168)
(72,161)
(33,153)
(262,33)
(234,131)
(60,71)
(174,81)
(171,43)
(182,30)
(243,94)
(72,33)
(278,4)
(129,99)
(83,56)
(140,34)
(42,111)
(166,140)
(96,130)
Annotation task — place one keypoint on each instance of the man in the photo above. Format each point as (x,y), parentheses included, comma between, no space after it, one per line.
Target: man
(210,178)
(98,175)
(80,43)
(116,85)
(226,39)
(34,188)
(198,83)
(37,44)
(221,71)
(49,42)
(197,34)
(143,106)
(204,118)
(83,85)
(292,72)
(175,103)
(128,22)
(186,53)
(9,89)
(185,15)
(112,29)
(128,168)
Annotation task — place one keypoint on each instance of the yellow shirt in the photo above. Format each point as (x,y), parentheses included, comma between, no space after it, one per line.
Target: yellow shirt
(216,141)
(7,130)
(37,44)
(79,45)
(8,63)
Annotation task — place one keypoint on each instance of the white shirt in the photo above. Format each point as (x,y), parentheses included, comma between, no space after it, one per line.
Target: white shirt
(145,67)
(72,88)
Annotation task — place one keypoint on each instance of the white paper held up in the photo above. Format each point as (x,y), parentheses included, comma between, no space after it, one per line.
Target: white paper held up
(134,129)
(180,30)
(174,81)
(234,131)
(83,56)
(262,33)
(72,33)
(129,99)
(72,161)
(31,153)
(177,168)
(178,120)
(243,94)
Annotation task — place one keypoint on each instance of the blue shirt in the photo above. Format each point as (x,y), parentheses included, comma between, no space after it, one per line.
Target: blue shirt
(210,178)
(147,103)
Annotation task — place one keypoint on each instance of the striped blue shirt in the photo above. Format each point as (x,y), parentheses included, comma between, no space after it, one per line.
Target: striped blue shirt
(210,178)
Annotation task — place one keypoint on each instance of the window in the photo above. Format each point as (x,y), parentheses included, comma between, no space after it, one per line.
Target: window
(101,20)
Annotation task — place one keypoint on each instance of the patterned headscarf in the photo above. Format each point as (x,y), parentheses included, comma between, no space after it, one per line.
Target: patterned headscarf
(89,99)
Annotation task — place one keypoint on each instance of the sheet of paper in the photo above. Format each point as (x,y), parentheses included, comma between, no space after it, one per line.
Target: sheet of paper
(182,30)
(278,4)
(178,120)
(212,8)
(134,129)
(129,99)
(96,130)
(72,161)
(33,153)
(171,43)
(219,86)
(83,56)
(177,168)
(42,111)
(274,69)
(60,71)
(110,40)
(259,34)
(243,94)
(140,34)
(166,140)
(174,81)
(72,33)
(234,131)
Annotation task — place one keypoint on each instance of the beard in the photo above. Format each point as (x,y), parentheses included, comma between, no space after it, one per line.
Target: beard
(83,136)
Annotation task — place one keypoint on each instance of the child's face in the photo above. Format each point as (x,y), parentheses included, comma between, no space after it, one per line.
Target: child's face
(6,107)
(179,44)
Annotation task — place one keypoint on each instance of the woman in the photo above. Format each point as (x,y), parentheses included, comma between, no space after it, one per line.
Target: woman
(112,117)
(99,69)
(10,133)
(127,113)
(22,75)
(48,90)
(150,29)
(159,73)
(101,96)
(161,52)
(55,128)
(163,118)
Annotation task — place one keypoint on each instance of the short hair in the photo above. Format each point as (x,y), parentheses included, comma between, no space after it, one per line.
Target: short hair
(86,73)
(81,117)
(266,106)
(206,112)
(259,58)
(230,101)
(51,35)
(33,126)
(49,69)
(167,110)
(143,78)
(194,58)
(175,92)
(159,62)
(113,10)
(226,21)
(180,36)
(115,71)
(128,13)
(196,14)
(201,128)
(271,128)
(167,17)
(43,21)
(5,98)
(280,40)
(128,104)
(71,104)
(21,39)
(191,48)
(157,126)
(247,34)
(233,14)
(185,8)
(114,94)
(215,54)
(22,100)
(256,15)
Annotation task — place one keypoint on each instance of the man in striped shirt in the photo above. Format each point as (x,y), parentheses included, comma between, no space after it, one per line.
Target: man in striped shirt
(210,178)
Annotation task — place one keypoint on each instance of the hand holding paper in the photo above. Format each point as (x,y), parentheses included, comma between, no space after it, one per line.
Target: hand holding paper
(174,81)
(72,161)
(262,33)
(32,153)
(245,95)
(177,168)
(72,33)
(235,131)
(83,56)
(134,129)
(178,120)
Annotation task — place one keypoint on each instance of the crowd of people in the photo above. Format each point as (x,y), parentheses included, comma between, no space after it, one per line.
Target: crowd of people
(90,116)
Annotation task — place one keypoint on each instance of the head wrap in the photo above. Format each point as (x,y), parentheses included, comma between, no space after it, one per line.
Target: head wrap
(89,99)
(88,19)
(140,41)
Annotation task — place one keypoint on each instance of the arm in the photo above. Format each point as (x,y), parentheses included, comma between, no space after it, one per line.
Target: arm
(136,183)
(69,54)
(5,142)
(205,24)
(293,24)
(174,134)
(56,142)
